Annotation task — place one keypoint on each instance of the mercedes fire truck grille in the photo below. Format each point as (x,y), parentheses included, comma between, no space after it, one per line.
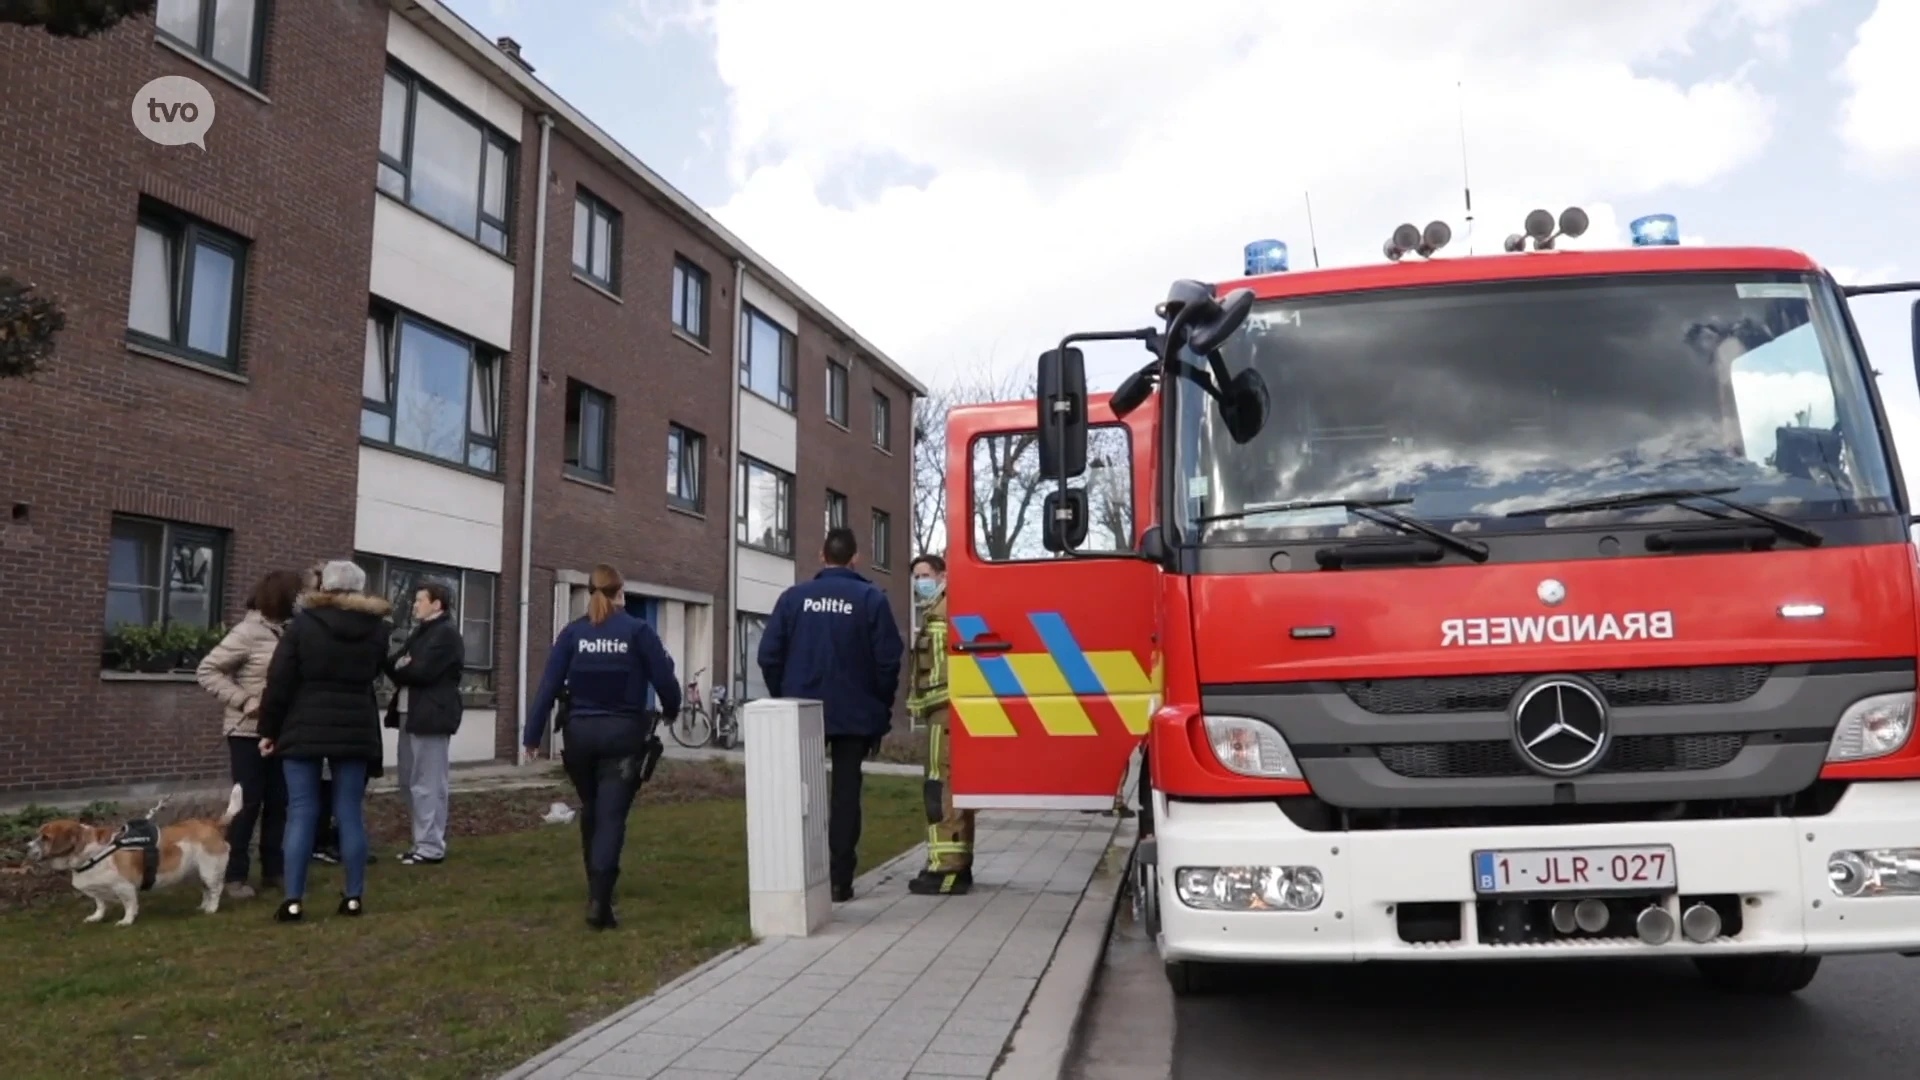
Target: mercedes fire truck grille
(1629,754)
(1718,685)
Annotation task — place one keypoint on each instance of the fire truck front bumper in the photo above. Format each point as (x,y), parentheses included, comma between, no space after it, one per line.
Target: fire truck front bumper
(1241,882)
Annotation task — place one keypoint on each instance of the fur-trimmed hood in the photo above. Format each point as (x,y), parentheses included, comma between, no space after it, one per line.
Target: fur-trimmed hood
(349,616)
(346,601)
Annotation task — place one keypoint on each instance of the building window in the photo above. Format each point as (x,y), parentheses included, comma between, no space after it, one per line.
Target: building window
(836,510)
(767,366)
(690,299)
(226,33)
(473,602)
(882,421)
(837,383)
(589,433)
(764,516)
(748,684)
(188,281)
(596,241)
(444,162)
(880,557)
(686,468)
(430,391)
(163,572)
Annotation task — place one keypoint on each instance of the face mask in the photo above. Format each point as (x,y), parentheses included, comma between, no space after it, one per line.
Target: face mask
(925,587)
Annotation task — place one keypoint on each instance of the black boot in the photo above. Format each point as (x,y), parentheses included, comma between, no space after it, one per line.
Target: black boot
(941,883)
(600,900)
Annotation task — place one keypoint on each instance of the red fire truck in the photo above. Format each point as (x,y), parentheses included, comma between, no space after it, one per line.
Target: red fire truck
(1543,604)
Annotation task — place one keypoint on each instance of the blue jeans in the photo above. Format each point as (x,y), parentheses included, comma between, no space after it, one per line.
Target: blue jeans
(303,820)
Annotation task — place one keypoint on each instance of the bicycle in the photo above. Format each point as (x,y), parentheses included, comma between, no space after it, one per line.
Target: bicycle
(726,720)
(693,728)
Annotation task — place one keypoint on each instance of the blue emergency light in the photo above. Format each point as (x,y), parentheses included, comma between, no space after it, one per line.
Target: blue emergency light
(1266,257)
(1655,230)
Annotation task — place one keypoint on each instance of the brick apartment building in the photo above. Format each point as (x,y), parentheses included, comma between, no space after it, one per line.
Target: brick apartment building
(391,201)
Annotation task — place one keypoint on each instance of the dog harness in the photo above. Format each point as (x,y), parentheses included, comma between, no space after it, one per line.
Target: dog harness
(142,836)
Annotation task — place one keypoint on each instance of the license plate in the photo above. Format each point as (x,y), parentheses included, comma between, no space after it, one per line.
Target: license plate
(1573,870)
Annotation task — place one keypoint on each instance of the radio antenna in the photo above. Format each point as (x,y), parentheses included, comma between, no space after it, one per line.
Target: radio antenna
(1466,181)
(1311,238)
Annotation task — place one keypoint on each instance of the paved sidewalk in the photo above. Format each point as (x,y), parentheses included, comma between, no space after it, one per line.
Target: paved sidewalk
(896,986)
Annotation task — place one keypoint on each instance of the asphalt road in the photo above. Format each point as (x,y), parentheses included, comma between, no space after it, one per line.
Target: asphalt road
(1568,1021)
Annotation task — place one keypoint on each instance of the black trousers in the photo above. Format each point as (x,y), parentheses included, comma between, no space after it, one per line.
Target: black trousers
(602,758)
(846,752)
(263,804)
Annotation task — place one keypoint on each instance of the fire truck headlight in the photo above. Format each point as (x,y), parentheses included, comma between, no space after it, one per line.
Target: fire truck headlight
(1874,872)
(1873,727)
(1250,888)
(1251,748)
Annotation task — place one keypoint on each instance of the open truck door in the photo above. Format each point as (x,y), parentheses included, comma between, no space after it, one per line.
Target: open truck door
(1053,667)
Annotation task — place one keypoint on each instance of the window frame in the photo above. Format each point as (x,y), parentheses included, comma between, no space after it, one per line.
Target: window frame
(788,377)
(783,512)
(839,394)
(394,319)
(1036,502)
(202,49)
(836,500)
(220,540)
(377,568)
(187,233)
(880,553)
(882,422)
(693,447)
(490,138)
(597,206)
(687,272)
(571,451)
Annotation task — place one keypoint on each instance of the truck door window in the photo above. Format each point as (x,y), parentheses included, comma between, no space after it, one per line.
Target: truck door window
(1008,492)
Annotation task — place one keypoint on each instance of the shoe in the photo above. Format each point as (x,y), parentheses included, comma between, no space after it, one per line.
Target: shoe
(270,884)
(329,856)
(290,911)
(352,905)
(941,883)
(239,890)
(414,858)
(842,893)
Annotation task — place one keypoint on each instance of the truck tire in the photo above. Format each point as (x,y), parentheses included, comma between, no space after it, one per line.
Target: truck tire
(1770,975)
(1188,978)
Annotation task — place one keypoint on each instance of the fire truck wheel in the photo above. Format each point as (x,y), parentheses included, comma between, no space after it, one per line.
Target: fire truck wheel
(1189,978)
(1772,975)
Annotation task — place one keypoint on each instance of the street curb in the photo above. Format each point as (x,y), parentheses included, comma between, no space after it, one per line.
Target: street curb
(559,1049)
(1041,1043)
(910,859)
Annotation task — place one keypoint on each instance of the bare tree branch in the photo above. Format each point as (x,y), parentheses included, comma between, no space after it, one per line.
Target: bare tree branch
(28,324)
(72,18)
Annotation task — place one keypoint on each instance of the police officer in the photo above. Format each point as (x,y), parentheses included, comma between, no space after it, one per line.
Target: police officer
(834,639)
(606,659)
(949,870)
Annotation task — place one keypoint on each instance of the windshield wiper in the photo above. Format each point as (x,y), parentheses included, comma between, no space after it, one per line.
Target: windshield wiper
(1374,510)
(1676,497)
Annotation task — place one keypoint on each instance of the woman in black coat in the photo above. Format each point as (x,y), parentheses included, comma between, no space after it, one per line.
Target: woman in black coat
(320,710)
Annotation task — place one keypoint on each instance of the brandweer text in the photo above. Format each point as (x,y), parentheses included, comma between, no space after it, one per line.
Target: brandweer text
(1529,629)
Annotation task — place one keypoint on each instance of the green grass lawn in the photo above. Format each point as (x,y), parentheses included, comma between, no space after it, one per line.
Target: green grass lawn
(461,970)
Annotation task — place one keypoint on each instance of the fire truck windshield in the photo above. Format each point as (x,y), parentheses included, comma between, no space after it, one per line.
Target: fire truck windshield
(1473,401)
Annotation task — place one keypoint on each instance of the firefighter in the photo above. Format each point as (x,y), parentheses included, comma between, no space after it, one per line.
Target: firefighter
(949,870)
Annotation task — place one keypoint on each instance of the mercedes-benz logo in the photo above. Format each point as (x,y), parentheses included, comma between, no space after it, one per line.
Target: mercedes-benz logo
(1551,592)
(1560,726)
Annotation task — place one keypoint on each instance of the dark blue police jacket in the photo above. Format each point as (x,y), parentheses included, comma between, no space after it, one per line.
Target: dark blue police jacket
(834,639)
(608,669)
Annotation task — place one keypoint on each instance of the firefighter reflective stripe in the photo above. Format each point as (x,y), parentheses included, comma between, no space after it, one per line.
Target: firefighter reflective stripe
(930,693)
(1065,688)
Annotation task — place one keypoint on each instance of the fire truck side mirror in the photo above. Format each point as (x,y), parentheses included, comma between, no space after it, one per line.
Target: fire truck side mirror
(1916,339)
(1065,515)
(1061,394)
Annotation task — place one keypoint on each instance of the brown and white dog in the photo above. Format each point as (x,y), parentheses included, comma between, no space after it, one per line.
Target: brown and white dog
(193,848)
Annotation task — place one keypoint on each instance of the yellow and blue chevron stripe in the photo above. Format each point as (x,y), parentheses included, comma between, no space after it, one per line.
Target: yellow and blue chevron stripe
(1062,690)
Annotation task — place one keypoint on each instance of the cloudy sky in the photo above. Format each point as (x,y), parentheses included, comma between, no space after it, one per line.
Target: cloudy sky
(965,187)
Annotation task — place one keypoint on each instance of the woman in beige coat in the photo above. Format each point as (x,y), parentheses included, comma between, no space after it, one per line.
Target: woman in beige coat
(236,673)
